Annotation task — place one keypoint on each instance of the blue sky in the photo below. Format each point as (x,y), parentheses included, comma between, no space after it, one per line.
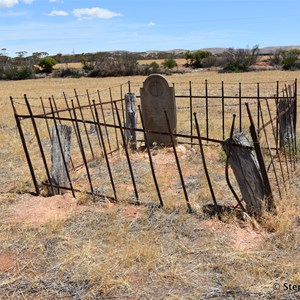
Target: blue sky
(80,26)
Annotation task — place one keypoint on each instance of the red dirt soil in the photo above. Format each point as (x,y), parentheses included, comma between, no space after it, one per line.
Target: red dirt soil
(32,210)
(36,210)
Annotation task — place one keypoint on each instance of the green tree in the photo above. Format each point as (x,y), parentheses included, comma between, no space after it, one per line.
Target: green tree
(152,68)
(169,63)
(20,60)
(199,55)
(290,59)
(188,55)
(47,64)
(195,59)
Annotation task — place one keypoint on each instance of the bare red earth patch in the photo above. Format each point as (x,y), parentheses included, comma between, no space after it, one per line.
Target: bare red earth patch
(40,210)
(6,262)
(242,239)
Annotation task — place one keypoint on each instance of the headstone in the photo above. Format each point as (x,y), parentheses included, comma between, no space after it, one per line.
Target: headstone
(247,173)
(156,98)
(286,113)
(93,129)
(131,119)
(61,142)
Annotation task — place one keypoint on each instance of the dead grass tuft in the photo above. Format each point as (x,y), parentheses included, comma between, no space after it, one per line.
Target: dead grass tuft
(83,198)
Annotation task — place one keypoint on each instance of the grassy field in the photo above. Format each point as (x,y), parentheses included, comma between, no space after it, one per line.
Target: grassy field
(180,62)
(68,65)
(61,248)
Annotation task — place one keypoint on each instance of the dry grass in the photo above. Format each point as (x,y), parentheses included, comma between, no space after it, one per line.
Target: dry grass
(77,65)
(129,252)
(159,254)
(179,61)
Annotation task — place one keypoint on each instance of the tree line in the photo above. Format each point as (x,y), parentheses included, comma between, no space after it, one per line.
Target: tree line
(122,63)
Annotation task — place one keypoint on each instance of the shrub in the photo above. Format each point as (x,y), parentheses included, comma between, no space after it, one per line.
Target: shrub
(211,61)
(239,60)
(23,73)
(47,64)
(287,59)
(68,72)
(88,66)
(197,58)
(276,58)
(290,59)
(16,73)
(169,63)
(121,66)
(152,68)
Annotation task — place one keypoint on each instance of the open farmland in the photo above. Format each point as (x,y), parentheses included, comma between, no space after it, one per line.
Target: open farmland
(61,248)
(179,61)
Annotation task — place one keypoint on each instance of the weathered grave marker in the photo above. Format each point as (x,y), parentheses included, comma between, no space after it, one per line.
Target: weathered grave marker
(131,118)
(247,172)
(60,143)
(156,98)
(286,113)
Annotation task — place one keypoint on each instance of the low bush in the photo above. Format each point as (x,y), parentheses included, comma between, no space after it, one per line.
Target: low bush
(115,67)
(68,72)
(197,58)
(290,59)
(239,60)
(152,68)
(47,64)
(16,73)
(169,63)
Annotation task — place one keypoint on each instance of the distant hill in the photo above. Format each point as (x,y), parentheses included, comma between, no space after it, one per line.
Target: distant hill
(161,54)
(272,49)
(219,50)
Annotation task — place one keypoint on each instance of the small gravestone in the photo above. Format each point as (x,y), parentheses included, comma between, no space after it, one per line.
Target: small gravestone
(131,119)
(247,172)
(286,113)
(60,156)
(156,98)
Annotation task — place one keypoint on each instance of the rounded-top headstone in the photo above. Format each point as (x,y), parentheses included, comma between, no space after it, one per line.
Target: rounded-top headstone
(156,85)
(156,98)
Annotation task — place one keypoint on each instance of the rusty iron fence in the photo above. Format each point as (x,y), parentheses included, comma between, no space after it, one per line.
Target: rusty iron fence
(103,165)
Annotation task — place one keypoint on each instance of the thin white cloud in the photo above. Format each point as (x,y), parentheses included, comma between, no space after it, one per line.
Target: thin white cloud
(151,24)
(8,3)
(95,12)
(12,14)
(59,13)
(11,3)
